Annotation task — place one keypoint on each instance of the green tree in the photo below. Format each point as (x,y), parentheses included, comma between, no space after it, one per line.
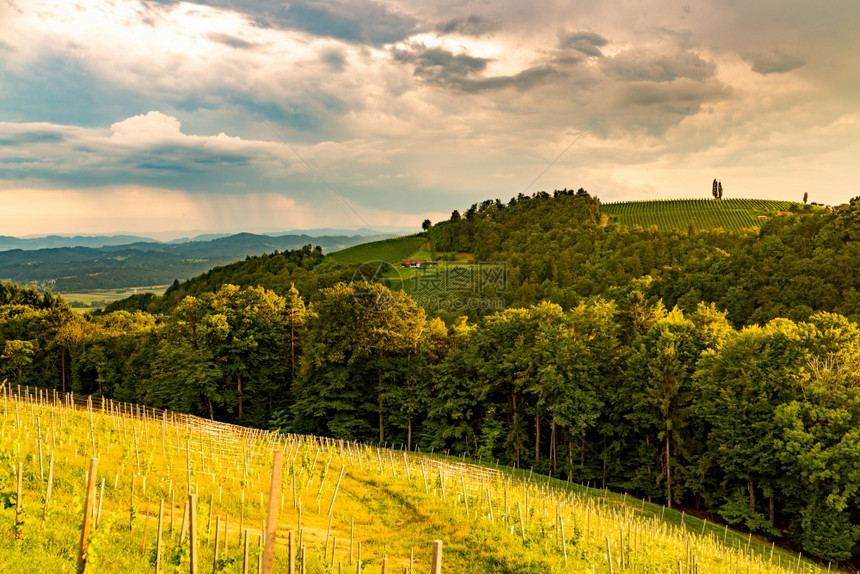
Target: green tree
(112,342)
(248,335)
(354,354)
(665,397)
(454,412)
(197,369)
(820,437)
(658,396)
(827,532)
(16,357)
(533,364)
(408,397)
(738,388)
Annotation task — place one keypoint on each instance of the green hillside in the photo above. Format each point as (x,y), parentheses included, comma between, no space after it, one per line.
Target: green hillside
(390,250)
(669,214)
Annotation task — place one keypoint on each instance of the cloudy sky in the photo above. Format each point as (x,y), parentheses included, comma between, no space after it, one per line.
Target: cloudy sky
(228,115)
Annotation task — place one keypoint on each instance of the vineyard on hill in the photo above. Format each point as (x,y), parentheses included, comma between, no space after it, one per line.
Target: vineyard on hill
(390,250)
(176,493)
(703,214)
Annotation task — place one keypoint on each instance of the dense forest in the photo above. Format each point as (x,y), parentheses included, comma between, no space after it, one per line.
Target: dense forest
(715,370)
(557,250)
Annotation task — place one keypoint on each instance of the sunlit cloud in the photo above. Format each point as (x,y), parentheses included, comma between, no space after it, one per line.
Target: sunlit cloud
(254,113)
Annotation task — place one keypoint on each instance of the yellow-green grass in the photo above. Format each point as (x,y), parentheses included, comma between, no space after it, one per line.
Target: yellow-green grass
(391,502)
(703,214)
(99,298)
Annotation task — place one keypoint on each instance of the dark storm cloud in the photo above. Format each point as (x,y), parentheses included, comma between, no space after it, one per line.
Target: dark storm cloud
(176,158)
(643,65)
(440,64)
(588,43)
(463,72)
(33,137)
(773,62)
(655,107)
(468,26)
(360,22)
(524,80)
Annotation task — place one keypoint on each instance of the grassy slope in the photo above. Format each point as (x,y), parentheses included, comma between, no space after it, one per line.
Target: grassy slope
(393,502)
(729,214)
(389,250)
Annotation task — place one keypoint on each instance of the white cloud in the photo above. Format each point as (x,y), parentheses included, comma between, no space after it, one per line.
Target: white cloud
(152,127)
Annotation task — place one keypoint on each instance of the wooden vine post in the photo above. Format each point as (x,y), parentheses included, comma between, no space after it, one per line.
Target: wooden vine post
(336,488)
(291,546)
(436,564)
(48,491)
(272,517)
(245,553)
(158,536)
(217,540)
(19,502)
(101,499)
(609,556)
(88,514)
(192,531)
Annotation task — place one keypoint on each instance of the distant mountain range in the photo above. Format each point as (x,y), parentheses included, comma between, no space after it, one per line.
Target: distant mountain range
(56,241)
(130,261)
